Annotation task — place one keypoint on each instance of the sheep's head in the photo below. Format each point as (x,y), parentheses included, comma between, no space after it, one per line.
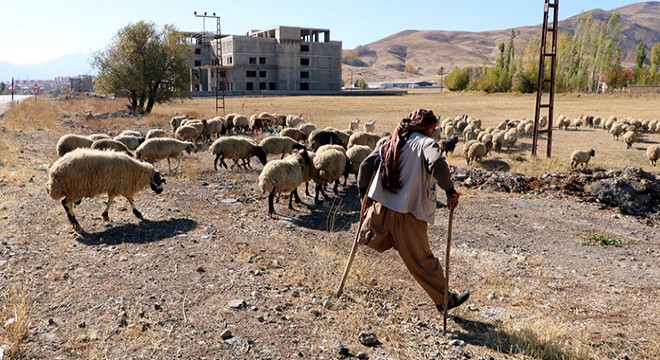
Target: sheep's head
(157,182)
(298,146)
(261,155)
(592,152)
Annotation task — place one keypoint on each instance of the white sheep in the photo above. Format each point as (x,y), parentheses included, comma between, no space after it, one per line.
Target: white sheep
(307,128)
(241,122)
(111,144)
(630,137)
(130,141)
(370,126)
(71,142)
(236,148)
(276,145)
(363,138)
(354,125)
(616,130)
(175,122)
(295,134)
(186,133)
(581,157)
(284,175)
(155,133)
(356,155)
(216,127)
(476,152)
(86,173)
(100,136)
(653,154)
(157,149)
(294,121)
(328,166)
(133,133)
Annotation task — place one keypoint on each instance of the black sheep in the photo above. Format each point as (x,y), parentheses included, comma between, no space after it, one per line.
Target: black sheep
(448,146)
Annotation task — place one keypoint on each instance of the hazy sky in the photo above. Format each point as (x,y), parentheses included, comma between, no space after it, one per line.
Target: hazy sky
(33,31)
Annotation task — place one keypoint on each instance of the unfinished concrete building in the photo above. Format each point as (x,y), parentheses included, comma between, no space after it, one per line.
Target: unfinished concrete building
(277,61)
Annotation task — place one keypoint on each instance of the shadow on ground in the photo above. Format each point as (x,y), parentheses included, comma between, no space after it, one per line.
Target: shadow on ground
(524,341)
(335,214)
(146,231)
(495,165)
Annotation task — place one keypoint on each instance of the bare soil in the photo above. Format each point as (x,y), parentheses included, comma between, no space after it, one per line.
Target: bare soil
(209,259)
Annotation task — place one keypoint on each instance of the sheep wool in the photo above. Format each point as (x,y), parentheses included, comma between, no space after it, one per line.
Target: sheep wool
(653,154)
(276,145)
(236,148)
(283,175)
(156,149)
(295,134)
(581,157)
(630,137)
(363,138)
(71,142)
(110,144)
(356,155)
(86,173)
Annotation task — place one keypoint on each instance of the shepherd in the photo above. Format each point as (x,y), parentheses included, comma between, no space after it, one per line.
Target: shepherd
(401,201)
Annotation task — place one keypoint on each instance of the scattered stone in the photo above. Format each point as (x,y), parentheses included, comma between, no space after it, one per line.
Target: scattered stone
(226,334)
(237,304)
(368,339)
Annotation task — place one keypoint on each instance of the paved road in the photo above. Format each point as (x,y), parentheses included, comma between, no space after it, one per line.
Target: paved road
(5,101)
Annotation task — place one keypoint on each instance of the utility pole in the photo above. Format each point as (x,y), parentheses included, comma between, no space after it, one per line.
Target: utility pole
(12,89)
(442,80)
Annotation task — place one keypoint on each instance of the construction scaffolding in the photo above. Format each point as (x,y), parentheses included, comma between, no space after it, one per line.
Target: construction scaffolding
(551,7)
(216,66)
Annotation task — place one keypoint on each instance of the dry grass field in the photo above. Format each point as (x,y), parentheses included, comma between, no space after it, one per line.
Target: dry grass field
(552,276)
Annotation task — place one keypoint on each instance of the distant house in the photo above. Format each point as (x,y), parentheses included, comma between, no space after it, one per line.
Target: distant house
(82,83)
(282,59)
(399,84)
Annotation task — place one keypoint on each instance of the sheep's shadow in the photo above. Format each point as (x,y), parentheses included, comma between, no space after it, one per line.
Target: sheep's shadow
(484,334)
(495,165)
(336,214)
(146,231)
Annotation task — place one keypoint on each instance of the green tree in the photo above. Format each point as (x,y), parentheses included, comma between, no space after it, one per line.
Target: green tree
(654,71)
(361,84)
(639,71)
(3,87)
(457,79)
(145,65)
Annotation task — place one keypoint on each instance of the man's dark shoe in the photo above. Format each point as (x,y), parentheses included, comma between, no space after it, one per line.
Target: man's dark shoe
(455,299)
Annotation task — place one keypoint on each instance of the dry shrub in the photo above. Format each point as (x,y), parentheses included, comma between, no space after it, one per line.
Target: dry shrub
(542,340)
(14,320)
(31,115)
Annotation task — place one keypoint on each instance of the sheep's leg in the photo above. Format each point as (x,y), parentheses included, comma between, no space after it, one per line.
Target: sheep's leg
(271,207)
(105,216)
(68,207)
(223,163)
(335,189)
(307,187)
(178,162)
(294,193)
(137,213)
(169,165)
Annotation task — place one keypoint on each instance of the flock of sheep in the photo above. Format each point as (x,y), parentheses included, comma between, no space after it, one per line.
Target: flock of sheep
(89,165)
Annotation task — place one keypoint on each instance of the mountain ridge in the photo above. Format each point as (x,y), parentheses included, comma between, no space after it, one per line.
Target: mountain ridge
(417,55)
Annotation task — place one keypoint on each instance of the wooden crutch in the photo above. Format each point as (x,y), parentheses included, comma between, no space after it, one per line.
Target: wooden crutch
(363,208)
(446,297)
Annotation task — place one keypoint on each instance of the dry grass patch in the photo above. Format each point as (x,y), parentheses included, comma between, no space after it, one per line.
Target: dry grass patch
(15,320)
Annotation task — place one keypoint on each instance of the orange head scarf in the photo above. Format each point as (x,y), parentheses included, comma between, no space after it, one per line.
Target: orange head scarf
(419,120)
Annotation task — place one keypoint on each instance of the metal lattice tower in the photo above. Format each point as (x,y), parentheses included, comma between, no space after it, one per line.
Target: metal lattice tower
(218,67)
(551,8)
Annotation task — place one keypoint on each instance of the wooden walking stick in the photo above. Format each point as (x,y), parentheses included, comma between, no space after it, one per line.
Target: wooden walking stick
(446,297)
(363,206)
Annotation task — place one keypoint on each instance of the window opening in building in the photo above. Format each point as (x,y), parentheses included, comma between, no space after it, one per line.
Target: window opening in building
(304,47)
(250,73)
(252,60)
(249,86)
(262,61)
(262,73)
(272,86)
(304,86)
(304,74)
(262,86)
(198,62)
(198,51)
(304,61)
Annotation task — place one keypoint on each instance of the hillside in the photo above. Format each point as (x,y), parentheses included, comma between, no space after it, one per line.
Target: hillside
(428,50)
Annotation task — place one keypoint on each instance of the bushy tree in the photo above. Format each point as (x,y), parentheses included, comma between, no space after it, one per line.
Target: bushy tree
(145,65)
(457,79)
(3,87)
(639,71)
(361,84)
(654,70)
